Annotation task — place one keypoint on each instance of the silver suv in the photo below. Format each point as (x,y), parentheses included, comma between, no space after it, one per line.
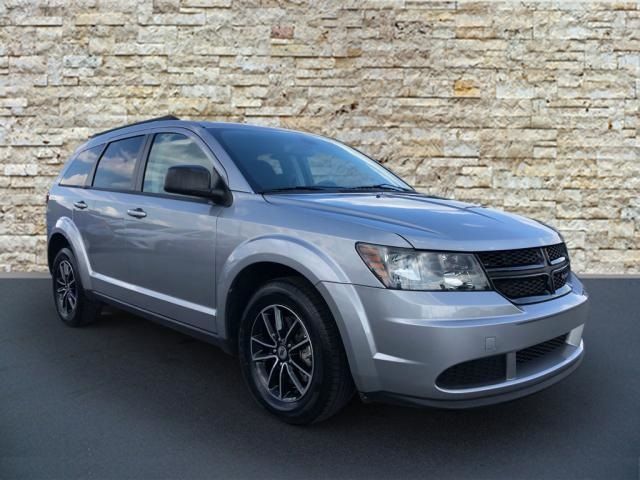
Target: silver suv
(322,270)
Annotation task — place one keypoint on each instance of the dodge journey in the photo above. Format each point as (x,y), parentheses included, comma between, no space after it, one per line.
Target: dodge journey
(324,272)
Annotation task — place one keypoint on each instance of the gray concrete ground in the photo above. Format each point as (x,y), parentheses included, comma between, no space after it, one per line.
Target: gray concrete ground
(126,398)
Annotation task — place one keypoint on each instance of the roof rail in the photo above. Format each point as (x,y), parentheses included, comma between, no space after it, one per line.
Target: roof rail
(166,117)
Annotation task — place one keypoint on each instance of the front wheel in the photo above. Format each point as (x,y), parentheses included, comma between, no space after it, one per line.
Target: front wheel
(291,353)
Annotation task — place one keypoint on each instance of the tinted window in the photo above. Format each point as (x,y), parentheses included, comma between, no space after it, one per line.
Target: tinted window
(324,168)
(115,169)
(168,150)
(275,159)
(80,168)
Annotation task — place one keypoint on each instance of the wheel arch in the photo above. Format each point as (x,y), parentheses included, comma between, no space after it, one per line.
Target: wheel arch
(65,233)
(57,242)
(254,263)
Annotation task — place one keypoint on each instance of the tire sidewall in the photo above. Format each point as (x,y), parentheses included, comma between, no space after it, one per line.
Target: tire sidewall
(283,293)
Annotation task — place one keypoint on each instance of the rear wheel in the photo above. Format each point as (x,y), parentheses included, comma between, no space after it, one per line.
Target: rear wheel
(291,353)
(72,304)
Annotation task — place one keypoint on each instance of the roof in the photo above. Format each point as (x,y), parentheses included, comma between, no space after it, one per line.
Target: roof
(173,119)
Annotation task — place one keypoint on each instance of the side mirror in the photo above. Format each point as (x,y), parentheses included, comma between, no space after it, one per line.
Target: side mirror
(196,181)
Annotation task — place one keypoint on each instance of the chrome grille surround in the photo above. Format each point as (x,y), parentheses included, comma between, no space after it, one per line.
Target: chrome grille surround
(529,275)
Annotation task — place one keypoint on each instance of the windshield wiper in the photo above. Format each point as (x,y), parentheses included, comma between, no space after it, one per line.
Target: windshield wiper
(380,186)
(299,188)
(313,188)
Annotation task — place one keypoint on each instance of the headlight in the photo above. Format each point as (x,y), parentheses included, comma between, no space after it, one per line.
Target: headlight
(407,269)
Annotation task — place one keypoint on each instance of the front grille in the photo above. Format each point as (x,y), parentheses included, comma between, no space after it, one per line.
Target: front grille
(474,373)
(527,272)
(523,287)
(511,258)
(554,252)
(560,278)
(540,350)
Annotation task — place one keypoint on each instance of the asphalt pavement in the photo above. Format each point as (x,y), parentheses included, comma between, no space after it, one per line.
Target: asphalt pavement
(126,398)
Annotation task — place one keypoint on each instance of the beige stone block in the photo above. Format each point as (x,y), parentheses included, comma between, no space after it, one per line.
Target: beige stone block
(475,177)
(29,64)
(102,18)
(514,89)
(38,21)
(20,169)
(466,88)
(182,19)
(157,33)
(207,3)
(544,152)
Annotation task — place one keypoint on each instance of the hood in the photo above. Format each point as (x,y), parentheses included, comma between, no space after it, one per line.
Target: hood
(428,223)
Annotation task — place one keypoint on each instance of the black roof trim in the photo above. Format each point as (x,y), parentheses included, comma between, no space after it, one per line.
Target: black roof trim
(166,117)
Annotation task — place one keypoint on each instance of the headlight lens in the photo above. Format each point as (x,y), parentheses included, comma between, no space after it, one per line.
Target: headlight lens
(407,269)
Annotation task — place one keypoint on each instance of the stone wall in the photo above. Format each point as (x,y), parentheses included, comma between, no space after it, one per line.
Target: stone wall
(531,106)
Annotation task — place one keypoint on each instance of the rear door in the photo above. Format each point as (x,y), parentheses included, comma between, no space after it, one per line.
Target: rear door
(100,215)
(75,179)
(172,238)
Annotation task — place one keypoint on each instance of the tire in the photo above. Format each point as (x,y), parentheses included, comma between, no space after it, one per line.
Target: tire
(306,377)
(67,286)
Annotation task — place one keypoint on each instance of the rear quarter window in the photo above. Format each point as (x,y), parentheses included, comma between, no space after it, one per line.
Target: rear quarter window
(80,168)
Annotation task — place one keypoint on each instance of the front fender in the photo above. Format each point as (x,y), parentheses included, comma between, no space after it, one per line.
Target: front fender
(64,226)
(303,257)
(323,272)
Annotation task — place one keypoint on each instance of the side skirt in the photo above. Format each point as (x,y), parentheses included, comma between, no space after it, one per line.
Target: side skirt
(166,322)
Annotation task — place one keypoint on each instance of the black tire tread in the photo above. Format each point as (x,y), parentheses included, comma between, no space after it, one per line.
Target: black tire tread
(341,390)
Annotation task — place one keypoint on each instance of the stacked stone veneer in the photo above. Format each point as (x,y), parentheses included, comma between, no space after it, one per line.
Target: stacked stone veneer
(527,106)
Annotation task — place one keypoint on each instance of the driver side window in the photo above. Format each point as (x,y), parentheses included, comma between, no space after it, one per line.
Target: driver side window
(170,150)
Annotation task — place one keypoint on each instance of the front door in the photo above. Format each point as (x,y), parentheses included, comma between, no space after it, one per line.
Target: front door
(172,238)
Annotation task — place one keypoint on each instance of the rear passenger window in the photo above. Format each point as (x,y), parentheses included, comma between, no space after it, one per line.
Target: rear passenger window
(169,150)
(80,168)
(115,169)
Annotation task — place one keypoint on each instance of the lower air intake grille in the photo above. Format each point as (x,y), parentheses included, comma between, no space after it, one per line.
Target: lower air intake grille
(540,350)
(523,287)
(475,373)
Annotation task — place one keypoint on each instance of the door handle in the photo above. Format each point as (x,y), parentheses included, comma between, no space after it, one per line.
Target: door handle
(81,204)
(137,212)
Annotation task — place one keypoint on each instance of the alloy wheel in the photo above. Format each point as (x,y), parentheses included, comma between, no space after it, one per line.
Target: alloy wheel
(66,289)
(281,353)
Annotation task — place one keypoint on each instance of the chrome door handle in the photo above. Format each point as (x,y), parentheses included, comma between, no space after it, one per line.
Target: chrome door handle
(137,212)
(81,204)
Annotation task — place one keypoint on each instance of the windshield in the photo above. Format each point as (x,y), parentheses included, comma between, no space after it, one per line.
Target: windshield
(275,160)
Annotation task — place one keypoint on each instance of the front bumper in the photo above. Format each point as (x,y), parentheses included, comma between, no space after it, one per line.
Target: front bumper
(400,342)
